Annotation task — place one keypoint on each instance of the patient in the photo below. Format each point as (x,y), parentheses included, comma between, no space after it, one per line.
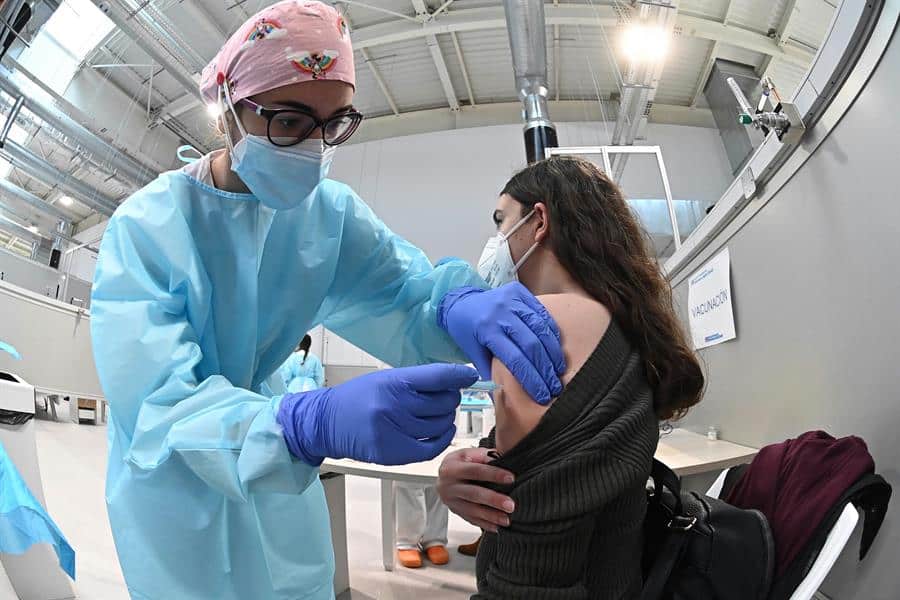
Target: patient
(581,463)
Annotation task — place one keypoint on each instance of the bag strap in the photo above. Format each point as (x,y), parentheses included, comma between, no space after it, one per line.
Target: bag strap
(668,557)
(665,478)
(676,540)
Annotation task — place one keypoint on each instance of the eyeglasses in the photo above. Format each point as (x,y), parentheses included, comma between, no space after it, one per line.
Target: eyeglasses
(290,126)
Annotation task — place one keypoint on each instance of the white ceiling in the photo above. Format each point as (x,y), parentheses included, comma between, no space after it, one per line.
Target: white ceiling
(585,57)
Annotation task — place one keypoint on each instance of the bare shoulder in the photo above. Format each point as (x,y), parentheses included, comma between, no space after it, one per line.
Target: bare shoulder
(582,322)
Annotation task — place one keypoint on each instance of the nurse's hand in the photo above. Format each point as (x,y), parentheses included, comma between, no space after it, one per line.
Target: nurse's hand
(510,323)
(478,505)
(390,417)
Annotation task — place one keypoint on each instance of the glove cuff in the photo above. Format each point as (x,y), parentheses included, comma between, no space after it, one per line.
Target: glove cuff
(449,299)
(300,417)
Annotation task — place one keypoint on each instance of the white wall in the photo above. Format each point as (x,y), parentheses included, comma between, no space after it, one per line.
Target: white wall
(28,274)
(84,262)
(438,189)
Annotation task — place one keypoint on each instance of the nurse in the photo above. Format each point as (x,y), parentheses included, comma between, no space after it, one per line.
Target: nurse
(206,279)
(302,371)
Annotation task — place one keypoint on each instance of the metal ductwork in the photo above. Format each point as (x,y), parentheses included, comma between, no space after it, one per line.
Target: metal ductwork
(109,157)
(13,228)
(528,42)
(36,167)
(27,197)
(153,40)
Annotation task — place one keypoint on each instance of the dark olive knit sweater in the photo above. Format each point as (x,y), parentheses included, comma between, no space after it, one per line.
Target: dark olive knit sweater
(579,490)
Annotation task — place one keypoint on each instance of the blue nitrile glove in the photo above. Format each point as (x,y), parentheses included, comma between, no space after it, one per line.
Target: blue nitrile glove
(391,417)
(510,323)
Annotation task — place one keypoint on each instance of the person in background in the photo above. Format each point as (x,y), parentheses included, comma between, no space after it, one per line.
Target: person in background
(574,471)
(421,525)
(302,371)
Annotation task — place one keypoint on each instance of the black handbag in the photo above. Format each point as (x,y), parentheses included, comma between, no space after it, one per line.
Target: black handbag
(701,548)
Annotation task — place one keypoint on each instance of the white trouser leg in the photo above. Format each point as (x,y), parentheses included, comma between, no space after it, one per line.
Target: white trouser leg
(410,502)
(436,523)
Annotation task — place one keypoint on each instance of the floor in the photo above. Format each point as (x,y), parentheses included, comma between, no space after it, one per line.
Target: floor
(73,464)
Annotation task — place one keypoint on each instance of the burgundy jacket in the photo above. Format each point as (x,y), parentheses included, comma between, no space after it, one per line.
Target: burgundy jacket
(796,483)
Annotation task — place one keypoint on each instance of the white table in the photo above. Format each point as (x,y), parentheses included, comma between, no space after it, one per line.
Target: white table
(684,452)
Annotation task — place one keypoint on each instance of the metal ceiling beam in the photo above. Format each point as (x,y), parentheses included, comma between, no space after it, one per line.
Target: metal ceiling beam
(704,73)
(434,47)
(729,6)
(462,66)
(148,43)
(205,16)
(480,19)
(180,105)
(13,228)
(437,56)
(379,80)
(108,157)
(11,189)
(510,113)
(374,70)
(784,28)
(36,167)
(556,69)
(742,38)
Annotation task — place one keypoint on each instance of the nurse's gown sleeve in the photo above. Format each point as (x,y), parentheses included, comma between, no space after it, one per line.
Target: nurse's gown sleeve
(385,294)
(148,294)
(319,373)
(287,371)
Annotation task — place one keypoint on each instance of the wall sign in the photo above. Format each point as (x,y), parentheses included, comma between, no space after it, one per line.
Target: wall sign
(711,317)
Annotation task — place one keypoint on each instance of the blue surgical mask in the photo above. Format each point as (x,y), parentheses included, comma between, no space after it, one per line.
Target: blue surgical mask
(280,177)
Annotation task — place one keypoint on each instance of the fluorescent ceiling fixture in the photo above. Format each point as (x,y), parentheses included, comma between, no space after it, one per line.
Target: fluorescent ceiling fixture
(33,228)
(66,200)
(645,43)
(213,110)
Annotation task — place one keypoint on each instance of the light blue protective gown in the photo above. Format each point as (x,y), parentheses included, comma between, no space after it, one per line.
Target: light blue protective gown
(301,375)
(199,295)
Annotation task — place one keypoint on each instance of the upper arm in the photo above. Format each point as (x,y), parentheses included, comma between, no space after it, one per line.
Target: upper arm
(516,411)
(581,322)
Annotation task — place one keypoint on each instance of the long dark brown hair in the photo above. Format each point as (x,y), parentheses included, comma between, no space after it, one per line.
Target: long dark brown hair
(597,239)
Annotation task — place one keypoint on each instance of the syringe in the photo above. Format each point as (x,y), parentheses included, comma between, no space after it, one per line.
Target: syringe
(483,385)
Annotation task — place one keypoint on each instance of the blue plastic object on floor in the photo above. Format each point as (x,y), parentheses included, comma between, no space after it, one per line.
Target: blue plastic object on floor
(24,522)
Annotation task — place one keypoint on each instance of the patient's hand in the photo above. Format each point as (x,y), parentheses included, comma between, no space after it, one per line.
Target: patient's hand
(582,322)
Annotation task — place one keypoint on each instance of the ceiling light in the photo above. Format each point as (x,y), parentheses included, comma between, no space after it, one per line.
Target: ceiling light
(645,43)
(66,200)
(213,111)
(33,228)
